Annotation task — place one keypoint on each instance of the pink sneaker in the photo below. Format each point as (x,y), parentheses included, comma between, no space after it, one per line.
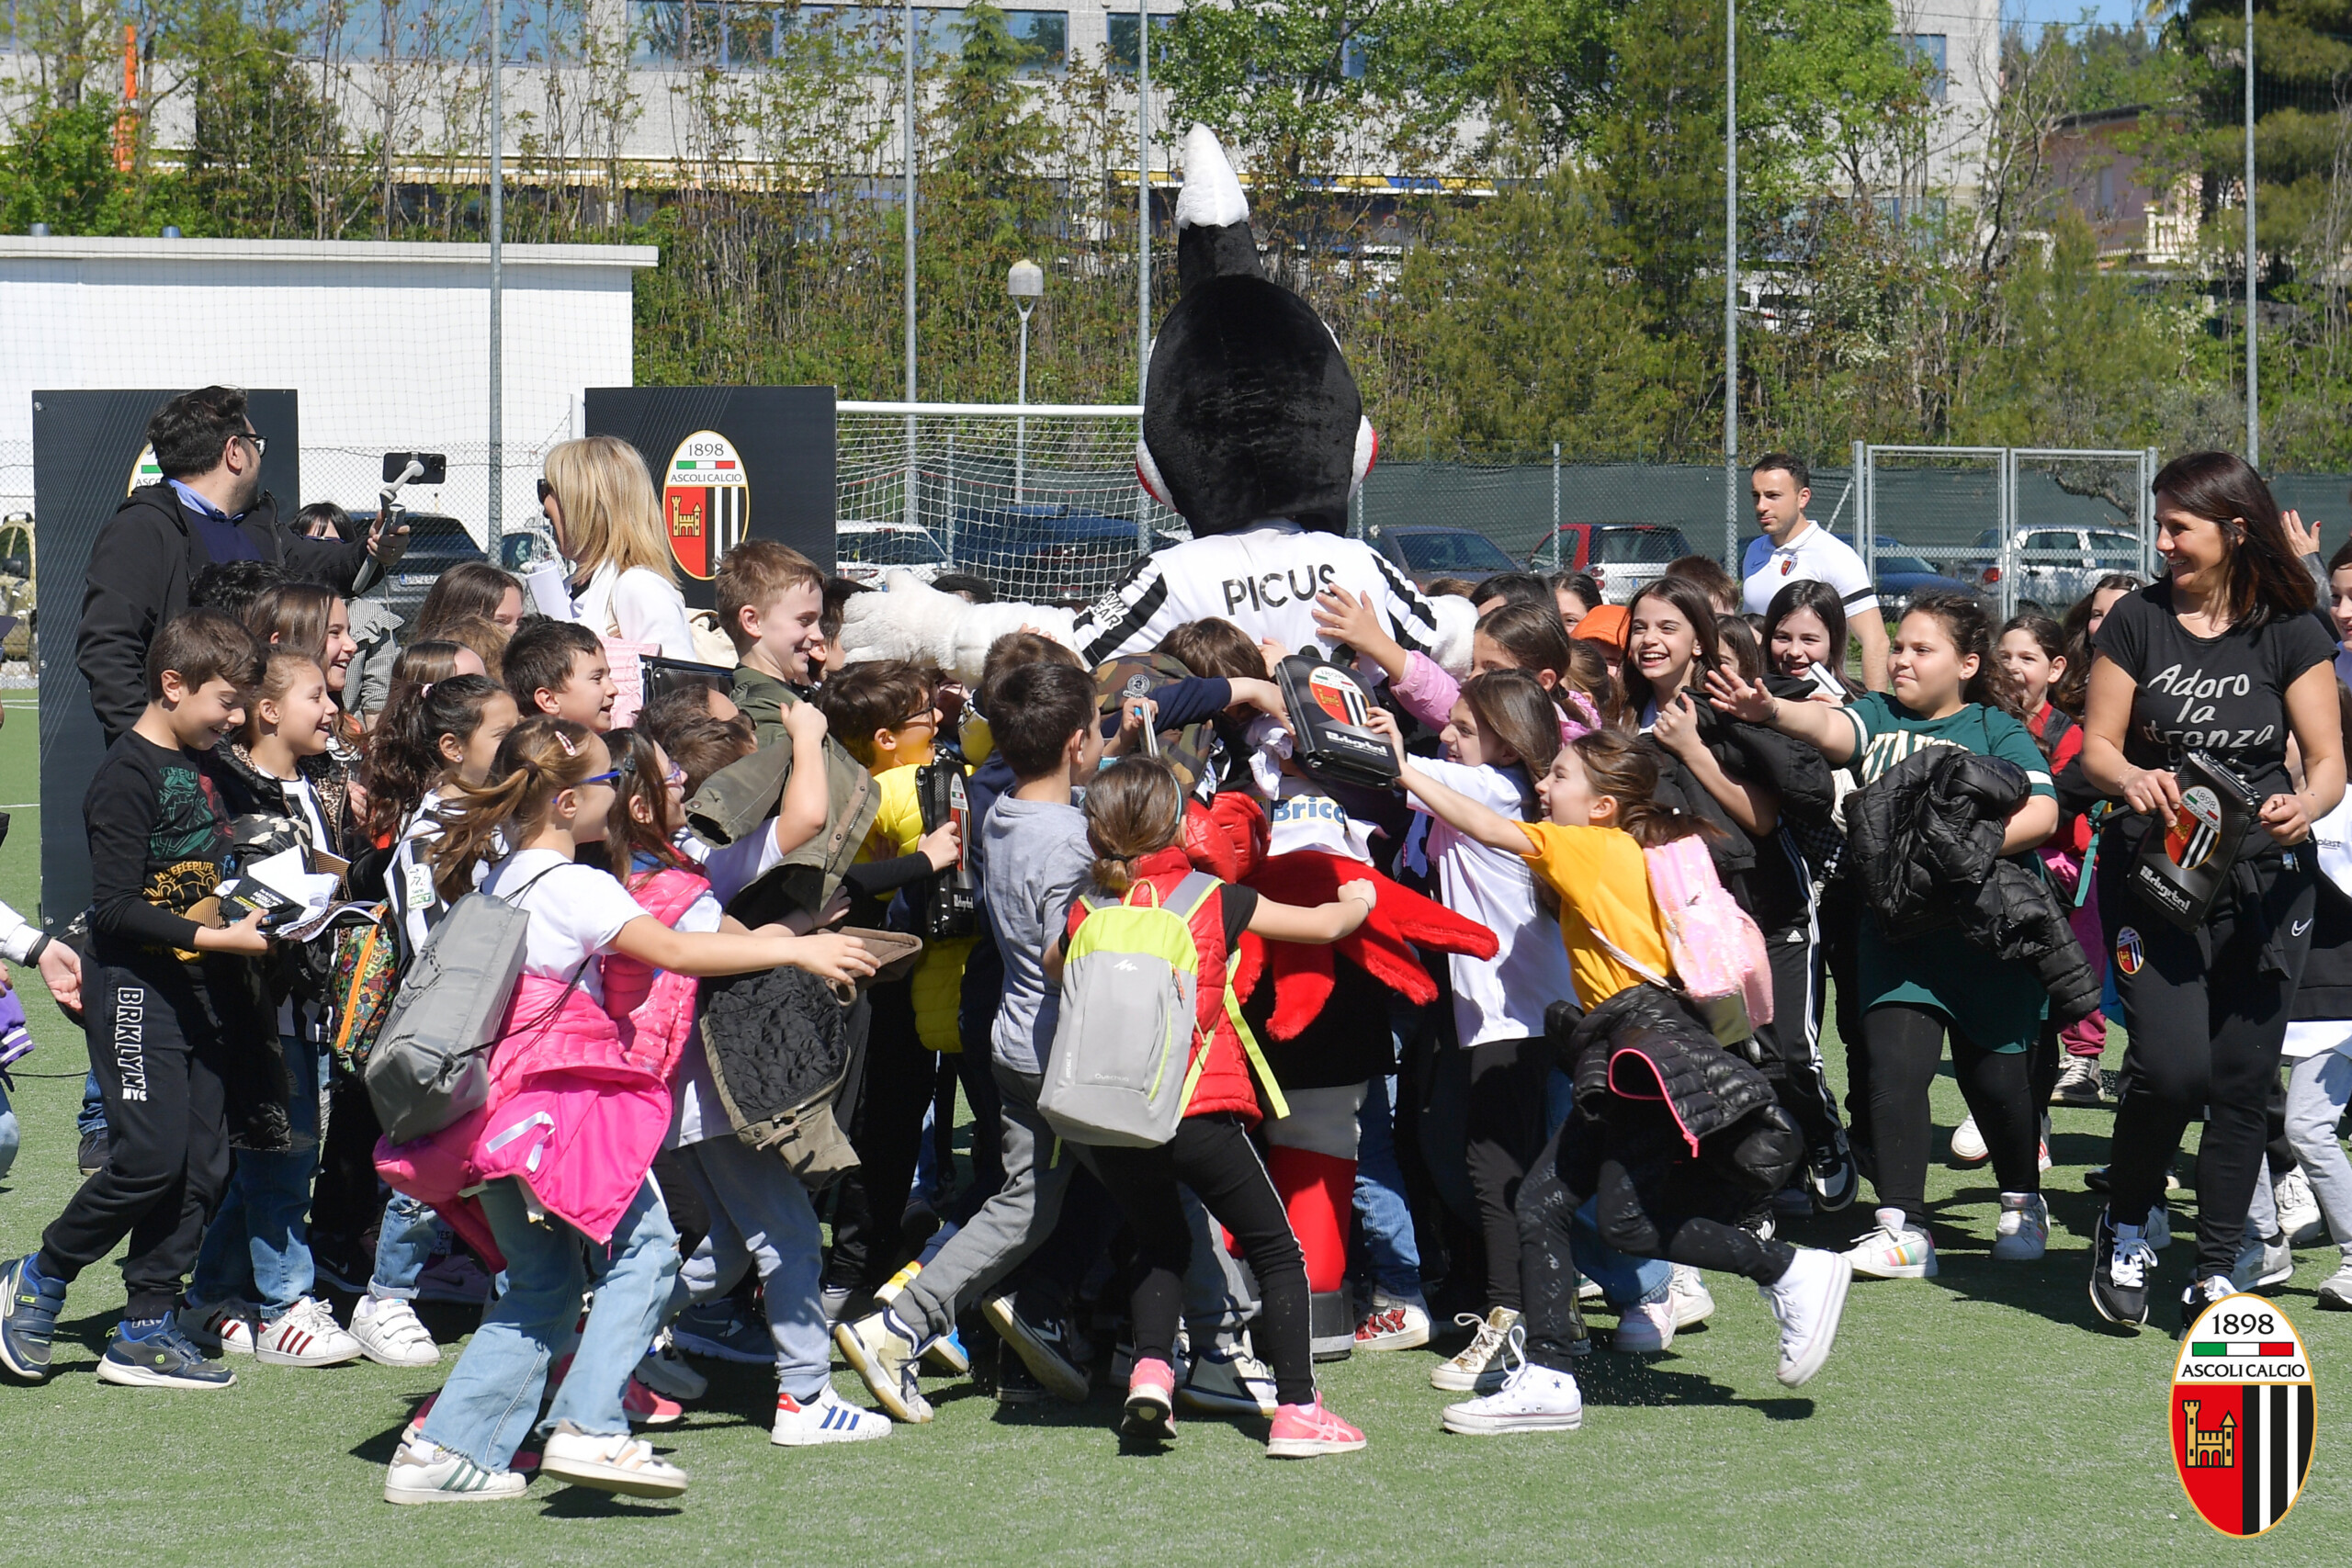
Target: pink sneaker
(646,1408)
(1152,1401)
(1302,1431)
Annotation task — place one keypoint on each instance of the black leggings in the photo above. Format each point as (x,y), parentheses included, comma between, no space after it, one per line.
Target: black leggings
(1792,1041)
(2207,1014)
(1652,1201)
(1905,1045)
(885,1110)
(1214,1156)
(1506,1133)
(1840,920)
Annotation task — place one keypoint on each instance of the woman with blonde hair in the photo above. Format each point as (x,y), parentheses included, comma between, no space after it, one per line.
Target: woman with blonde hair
(601,502)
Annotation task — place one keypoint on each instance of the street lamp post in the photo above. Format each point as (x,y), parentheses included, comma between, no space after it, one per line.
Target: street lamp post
(1027,284)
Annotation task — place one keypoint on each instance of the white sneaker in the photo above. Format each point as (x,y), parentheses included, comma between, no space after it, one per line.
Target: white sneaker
(2299,1213)
(306,1335)
(1807,1303)
(664,1370)
(221,1328)
(2335,1290)
(1229,1380)
(1897,1249)
(2264,1263)
(1478,1367)
(2023,1233)
(391,1334)
(1392,1324)
(828,1418)
(609,1462)
(2159,1229)
(1532,1399)
(1647,1328)
(1687,1288)
(427,1473)
(1968,1144)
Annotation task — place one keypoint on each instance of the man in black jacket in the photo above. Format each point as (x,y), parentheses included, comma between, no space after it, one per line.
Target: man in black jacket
(208,509)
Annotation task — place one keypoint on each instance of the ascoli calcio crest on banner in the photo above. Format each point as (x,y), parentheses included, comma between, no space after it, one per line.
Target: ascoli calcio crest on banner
(2241,1415)
(706,501)
(146,470)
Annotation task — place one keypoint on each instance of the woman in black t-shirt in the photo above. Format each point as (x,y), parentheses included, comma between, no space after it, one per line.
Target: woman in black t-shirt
(2224,656)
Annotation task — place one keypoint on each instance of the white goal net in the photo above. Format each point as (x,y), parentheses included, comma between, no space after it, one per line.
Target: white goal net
(1041,504)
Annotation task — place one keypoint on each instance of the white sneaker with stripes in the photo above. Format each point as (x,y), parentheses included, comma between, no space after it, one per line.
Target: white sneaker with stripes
(828,1418)
(306,1335)
(425,1472)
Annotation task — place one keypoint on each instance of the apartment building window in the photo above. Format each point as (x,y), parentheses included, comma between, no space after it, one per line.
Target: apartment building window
(1927,51)
(1048,34)
(1122,38)
(532,32)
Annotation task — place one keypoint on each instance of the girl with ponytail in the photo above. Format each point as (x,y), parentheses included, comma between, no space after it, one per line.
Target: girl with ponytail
(1134,823)
(1653,1193)
(558,1162)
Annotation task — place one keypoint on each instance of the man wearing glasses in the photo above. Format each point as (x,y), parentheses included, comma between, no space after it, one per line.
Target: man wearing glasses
(209,509)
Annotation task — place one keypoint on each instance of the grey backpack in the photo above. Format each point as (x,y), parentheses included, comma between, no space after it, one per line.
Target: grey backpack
(428,1068)
(1127,1053)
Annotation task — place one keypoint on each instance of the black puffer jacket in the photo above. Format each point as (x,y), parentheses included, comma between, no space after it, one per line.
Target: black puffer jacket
(1925,841)
(1708,1087)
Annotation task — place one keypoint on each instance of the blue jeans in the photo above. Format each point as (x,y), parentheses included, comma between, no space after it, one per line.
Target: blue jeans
(1387,1219)
(8,1136)
(492,1400)
(92,1117)
(1623,1280)
(404,1244)
(258,1247)
(761,1216)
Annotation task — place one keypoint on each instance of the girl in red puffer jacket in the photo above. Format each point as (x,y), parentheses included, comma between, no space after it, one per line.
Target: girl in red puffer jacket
(1135,820)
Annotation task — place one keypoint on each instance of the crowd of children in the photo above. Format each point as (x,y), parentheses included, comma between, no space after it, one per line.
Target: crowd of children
(1438,1042)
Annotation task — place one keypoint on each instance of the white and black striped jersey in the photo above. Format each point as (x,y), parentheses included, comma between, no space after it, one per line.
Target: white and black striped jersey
(1264,579)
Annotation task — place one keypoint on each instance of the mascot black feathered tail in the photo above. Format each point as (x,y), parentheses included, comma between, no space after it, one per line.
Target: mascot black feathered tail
(1254,432)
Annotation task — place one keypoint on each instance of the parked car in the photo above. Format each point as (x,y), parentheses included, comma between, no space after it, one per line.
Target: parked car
(1900,576)
(1048,551)
(864,551)
(437,542)
(2049,569)
(1622,557)
(1424,552)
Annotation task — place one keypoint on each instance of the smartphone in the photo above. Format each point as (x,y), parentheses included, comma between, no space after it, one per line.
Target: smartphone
(1819,675)
(435,463)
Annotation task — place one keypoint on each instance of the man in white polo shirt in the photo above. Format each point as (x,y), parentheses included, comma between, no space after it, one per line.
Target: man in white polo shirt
(1794,549)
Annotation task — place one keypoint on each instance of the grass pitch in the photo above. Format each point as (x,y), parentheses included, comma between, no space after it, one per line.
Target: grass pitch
(1982,1416)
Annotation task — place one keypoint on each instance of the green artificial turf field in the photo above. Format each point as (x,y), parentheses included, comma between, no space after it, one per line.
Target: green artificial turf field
(1982,1416)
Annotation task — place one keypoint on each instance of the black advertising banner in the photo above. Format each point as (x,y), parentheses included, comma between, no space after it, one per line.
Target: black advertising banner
(89,451)
(730,463)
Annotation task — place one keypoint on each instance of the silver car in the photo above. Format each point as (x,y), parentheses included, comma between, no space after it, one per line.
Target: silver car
(2049,569)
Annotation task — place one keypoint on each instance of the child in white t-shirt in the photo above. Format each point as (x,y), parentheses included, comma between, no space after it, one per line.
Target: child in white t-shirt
(1502,734)
(549,790)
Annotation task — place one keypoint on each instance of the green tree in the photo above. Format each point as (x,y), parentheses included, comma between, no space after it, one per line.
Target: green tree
(57,168)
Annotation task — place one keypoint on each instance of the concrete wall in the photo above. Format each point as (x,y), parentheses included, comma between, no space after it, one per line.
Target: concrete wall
(388,344)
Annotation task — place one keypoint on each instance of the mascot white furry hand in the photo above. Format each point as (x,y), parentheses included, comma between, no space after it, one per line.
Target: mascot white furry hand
(1254,432)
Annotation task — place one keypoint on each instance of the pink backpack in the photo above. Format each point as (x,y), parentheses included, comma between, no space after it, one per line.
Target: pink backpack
(1717,951)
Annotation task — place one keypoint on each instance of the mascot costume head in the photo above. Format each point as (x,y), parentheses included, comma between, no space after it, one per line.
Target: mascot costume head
(1250,412)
